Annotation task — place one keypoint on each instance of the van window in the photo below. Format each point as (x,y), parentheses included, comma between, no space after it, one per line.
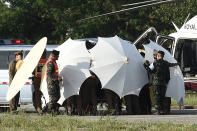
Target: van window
(4,56)
(47,54)
(7,56)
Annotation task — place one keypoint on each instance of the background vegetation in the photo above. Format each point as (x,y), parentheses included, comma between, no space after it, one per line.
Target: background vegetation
(30,20)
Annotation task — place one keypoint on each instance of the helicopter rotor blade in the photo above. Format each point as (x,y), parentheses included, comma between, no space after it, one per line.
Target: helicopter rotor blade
(123,10)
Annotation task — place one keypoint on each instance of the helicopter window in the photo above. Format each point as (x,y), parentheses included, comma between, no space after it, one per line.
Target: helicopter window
(186,55)
(166,43)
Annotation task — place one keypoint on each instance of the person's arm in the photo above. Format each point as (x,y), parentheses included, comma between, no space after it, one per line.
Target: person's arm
(50,71)
(173,64)
(149,68)
(12,70)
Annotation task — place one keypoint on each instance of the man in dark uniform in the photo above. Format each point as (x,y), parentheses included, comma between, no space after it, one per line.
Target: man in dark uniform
(13,67)
(53,79)
(161,77)
(113,101)
(88,95)
(36,82)
(132,104)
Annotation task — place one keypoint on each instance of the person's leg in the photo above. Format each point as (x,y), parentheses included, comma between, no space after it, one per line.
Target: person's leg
(14,103)
(128,104)
(160,92)
(158,100)
(37,95)
(167,104)
(142,101)
(132,104)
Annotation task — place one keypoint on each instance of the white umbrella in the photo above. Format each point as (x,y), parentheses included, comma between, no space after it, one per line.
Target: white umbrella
(175,88)
(119,66)
(73,63)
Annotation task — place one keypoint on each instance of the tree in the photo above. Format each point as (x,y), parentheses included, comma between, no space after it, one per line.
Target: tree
(58,19)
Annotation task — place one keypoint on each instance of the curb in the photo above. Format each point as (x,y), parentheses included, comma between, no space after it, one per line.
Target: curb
(184,107)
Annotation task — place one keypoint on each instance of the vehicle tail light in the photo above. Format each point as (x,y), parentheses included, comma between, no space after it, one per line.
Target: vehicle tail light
(17,41)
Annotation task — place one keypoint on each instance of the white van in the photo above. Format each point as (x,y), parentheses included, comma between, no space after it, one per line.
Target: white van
(7,55)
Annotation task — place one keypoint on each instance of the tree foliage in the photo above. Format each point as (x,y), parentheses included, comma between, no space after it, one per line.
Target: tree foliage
(30,20)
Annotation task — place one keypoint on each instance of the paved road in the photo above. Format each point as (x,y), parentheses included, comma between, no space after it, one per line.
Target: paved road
(177,116)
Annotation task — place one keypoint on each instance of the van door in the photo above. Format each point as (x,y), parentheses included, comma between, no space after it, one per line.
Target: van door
(4,77)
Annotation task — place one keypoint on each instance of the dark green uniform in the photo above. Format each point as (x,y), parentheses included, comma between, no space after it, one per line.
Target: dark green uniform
(161,76)
(53,87)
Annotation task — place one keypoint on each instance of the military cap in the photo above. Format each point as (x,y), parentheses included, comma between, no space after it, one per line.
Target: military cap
(55,52)
(19,53)
(161,52)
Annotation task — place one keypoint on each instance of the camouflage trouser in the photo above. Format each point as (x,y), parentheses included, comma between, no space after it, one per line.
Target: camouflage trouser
(37,94)
(14,102)
(54,95)
(159,92)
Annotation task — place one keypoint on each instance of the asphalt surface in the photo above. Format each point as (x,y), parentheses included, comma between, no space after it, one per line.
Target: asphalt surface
(176,116)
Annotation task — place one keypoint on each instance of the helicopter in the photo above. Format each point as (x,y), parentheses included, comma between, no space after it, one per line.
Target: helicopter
(182,44)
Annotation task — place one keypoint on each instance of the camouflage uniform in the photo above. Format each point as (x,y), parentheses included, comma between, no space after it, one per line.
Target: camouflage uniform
(53,87)
(37,94)
(36,82)
(14,101)
(161,76)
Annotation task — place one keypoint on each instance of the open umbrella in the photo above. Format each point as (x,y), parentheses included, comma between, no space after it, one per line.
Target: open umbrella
(119,66)
(175,88)
(73,63)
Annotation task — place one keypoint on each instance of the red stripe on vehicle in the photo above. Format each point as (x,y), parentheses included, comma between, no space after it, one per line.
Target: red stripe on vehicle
(4,83)
(27,83)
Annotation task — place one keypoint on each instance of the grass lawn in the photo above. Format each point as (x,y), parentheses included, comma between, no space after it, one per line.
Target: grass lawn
(190,100)
(39,123)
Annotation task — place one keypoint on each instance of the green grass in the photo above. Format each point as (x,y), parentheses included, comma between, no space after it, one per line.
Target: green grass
(39,123)
(190,100)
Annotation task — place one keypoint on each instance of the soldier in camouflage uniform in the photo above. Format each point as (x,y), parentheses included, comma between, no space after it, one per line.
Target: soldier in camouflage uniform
(13,67)
(53,83)
(161,77)
(36,82)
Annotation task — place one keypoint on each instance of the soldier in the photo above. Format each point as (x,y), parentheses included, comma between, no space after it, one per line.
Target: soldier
(132,104)
(114,102)
(37,81)
(53,79)
(88,95)
(13,68)
(161,77)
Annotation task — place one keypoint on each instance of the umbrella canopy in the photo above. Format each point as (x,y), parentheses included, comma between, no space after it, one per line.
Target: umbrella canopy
(73,63)
(175,88)
(119,66)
